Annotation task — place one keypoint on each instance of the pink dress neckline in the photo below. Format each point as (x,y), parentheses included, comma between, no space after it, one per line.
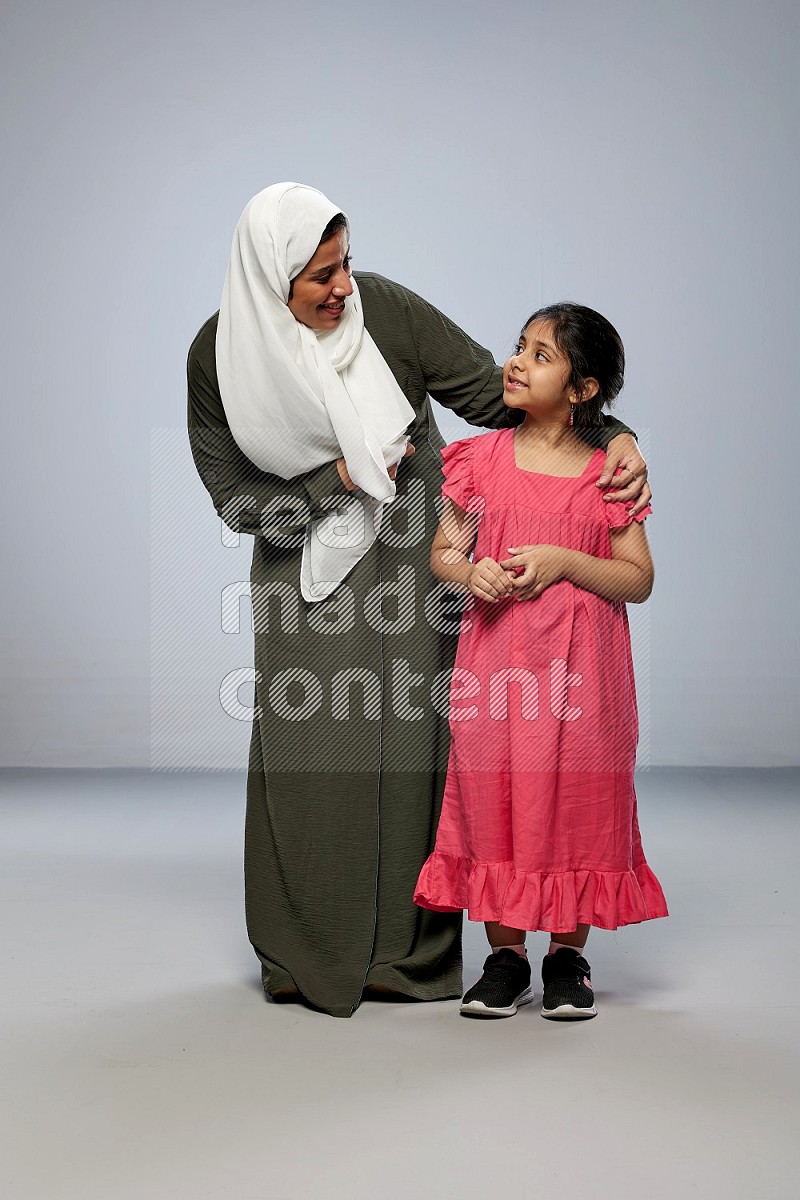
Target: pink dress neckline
(543,474)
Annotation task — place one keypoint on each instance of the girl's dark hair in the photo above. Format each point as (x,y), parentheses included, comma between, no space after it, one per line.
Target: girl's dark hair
(332,228)
(593,349)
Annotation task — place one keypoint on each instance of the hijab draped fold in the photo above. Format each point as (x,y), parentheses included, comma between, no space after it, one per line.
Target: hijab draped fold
(296,398)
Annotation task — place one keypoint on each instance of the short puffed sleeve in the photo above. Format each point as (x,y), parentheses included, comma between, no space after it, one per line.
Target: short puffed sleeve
(458,460)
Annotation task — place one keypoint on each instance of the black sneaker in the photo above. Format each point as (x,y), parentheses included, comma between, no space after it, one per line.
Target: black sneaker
(504,985)
(567,980)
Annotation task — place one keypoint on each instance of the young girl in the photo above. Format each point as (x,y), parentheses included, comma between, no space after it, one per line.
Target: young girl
(538,827)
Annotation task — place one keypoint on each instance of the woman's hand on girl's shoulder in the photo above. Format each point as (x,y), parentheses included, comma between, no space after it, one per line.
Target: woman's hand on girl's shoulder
(488,581)
(534,569)
(623,455)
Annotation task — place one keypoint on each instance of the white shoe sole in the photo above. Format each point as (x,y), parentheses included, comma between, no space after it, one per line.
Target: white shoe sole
(476,1008)
(568,1012)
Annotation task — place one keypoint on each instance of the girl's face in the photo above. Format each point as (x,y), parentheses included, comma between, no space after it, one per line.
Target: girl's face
(535,377)
(319,290)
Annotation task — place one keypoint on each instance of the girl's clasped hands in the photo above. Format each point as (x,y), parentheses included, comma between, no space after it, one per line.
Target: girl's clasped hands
(528,572)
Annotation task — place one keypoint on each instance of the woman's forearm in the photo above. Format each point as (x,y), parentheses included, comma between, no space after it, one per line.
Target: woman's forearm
(247,499)
(610,578)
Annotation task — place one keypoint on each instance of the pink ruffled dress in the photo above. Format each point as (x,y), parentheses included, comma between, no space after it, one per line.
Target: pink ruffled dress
(539,827)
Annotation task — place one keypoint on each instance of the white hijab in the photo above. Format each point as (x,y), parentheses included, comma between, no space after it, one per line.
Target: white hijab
(296,398)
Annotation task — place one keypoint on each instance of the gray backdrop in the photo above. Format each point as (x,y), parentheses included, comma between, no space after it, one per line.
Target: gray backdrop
(492,156)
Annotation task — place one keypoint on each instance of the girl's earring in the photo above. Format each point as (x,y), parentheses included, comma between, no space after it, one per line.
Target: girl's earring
(572,414)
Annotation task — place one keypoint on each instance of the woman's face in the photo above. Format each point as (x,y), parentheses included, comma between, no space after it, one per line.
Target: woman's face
(319,290)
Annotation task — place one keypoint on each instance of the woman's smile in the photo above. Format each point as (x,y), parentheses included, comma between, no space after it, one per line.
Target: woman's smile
(334,308)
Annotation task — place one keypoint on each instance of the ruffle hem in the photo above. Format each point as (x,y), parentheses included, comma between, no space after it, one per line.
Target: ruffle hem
(556,901)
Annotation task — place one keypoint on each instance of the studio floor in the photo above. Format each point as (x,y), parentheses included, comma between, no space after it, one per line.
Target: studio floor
(141,1060)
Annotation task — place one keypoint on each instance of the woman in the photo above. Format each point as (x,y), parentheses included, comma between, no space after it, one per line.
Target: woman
(311,427)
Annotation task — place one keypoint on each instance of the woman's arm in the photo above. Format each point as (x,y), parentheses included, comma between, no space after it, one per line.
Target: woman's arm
(627,576)
(247,499)
(463,376)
